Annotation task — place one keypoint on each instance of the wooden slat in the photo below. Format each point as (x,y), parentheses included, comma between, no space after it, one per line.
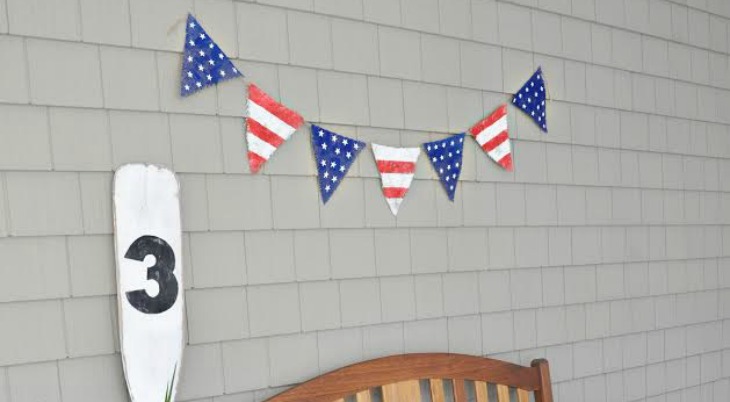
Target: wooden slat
(339,400)
(363,396)
(459,391)
(481,391)
(522,395)
(404,391)
(437,390)
(502,393)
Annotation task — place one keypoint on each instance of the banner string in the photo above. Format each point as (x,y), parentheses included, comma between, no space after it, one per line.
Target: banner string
(175,24)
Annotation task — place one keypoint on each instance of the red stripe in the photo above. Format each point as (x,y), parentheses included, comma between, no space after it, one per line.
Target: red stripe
(288,116)
(506,162)
(264,133)
(496,141)
(396,167)
(394,192)
(255,161)
(488,121)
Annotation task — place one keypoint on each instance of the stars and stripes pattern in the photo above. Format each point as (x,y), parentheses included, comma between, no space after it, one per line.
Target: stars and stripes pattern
(334,154)
(493,136)
(446,156)
(531,99)
(269,124)
(204,63)
(397,167)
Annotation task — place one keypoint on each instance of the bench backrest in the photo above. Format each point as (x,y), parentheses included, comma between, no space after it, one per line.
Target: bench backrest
(434,377)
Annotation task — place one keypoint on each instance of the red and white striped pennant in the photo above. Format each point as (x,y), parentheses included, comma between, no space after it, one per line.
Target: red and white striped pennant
(493,136)
(397,167)
(269,124)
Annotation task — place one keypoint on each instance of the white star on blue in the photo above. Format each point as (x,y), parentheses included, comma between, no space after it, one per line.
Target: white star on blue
(204,63)
(335,154)
(446,157)
(531,99)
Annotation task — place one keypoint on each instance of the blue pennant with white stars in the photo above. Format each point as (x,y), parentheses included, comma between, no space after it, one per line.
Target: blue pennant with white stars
(531,99)
(334,154)
(445,156)
(204,63)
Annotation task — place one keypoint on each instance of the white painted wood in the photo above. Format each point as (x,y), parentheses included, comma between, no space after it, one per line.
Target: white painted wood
(147,222)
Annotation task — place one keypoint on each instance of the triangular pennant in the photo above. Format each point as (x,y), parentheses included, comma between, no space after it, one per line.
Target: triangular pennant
(531,99)
(445,156)
(268,125)
(397,167)
(204,63)
(493,136)
(334,154)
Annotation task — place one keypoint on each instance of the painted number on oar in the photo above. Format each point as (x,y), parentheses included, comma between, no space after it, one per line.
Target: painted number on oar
(161,272)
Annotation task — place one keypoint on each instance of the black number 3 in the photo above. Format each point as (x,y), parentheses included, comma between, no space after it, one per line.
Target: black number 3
(161,272)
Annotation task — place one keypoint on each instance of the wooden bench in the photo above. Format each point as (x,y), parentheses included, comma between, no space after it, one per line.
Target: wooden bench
(434,377)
